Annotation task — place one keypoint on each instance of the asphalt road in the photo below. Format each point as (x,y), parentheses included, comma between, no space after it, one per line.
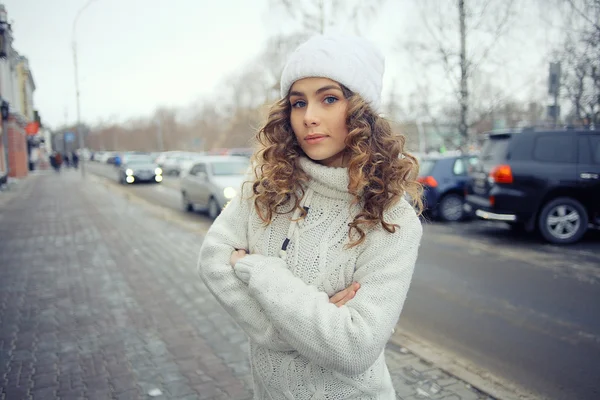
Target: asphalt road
(507,303)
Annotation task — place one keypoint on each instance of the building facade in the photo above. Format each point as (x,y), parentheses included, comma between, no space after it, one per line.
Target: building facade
(17,88)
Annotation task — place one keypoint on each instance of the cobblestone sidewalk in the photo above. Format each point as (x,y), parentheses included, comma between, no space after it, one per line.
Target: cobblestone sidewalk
(100,300)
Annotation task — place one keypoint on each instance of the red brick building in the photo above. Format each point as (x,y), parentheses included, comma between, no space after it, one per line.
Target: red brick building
(17,148)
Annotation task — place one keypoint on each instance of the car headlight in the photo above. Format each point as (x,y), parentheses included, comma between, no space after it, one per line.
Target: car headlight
(128,171)
(158,171)
(229,192)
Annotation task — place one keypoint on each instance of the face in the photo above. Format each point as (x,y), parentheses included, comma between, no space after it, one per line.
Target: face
(318,118)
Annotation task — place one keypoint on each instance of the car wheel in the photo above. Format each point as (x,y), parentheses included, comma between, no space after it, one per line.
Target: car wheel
(213,208)
(187,205)
(450,208)
(563,221)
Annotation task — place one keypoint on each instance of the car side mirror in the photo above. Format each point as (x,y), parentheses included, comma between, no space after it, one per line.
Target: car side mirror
(203,176)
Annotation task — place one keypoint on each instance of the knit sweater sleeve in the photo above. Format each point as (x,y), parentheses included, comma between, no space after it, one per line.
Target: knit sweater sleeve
(348,339)
(227,233)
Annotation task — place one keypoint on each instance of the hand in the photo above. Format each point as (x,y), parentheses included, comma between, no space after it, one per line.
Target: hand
(341,298)
(236,256)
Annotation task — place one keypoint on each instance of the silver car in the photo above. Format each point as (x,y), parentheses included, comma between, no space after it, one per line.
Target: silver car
(212,182)
(139,168)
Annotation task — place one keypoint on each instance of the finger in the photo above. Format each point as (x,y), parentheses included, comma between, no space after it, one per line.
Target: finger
(346,299)
(338,296)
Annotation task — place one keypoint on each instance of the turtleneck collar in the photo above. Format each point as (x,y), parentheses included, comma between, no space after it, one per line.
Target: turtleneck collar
(329,181)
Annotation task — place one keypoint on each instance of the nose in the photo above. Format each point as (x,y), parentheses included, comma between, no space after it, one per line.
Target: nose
(311,117)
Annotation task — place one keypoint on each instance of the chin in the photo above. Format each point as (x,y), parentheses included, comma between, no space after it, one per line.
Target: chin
(317,157)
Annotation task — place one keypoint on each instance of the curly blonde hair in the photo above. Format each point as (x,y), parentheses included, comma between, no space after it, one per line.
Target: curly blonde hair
(380,170)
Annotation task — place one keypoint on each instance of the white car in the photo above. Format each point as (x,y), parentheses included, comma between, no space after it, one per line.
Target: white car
(212,182)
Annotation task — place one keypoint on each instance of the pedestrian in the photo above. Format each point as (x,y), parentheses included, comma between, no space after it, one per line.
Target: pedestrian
(52,159)
(314,258)
(58,161)
(75,159)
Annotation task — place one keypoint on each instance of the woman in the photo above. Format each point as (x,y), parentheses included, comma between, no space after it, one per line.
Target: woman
(314,258)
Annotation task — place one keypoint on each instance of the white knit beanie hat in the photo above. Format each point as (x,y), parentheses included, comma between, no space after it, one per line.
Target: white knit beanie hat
(349,60)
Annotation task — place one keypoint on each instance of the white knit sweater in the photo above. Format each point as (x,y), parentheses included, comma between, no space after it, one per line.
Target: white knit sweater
(301,345)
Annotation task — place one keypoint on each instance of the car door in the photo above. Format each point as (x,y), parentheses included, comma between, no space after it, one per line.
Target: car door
(188,185)
(588,168)
(201,184)
(555,156)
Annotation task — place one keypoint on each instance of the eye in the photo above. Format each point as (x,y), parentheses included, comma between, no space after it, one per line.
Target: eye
(330,99)
(298,104)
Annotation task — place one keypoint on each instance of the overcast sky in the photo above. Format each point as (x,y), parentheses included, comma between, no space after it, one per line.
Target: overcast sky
(136,55)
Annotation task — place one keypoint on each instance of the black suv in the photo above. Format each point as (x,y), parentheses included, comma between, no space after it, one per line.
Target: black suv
(549,180)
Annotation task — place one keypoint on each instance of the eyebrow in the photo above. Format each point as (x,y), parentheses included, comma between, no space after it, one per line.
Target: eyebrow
(321,90)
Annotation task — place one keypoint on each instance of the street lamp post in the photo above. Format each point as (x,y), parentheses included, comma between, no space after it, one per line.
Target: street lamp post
(422,136)
(79,133)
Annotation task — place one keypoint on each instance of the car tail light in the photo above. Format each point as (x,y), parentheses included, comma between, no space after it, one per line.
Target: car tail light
(501,174)
(492,201)
(427,181)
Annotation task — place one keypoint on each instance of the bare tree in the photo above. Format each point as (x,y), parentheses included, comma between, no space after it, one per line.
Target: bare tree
(579,54)
(272,60)
(447,47)
(319,16)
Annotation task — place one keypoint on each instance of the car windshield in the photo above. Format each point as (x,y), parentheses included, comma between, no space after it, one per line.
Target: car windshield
(230,167)
(138,159)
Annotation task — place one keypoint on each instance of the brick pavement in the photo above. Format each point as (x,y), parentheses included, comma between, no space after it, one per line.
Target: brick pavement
(101,300)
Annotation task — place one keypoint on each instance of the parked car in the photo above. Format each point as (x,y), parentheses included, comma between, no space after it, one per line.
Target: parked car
(241,151)
(539,179)
(160,159)
(113,159)
(172,162)
(212,182)
(139,168)
(104,156)
(443,179)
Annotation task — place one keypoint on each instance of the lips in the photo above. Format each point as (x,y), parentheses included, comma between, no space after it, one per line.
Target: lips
(311,139)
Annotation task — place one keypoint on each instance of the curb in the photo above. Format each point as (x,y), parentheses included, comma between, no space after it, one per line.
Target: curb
(481,380)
